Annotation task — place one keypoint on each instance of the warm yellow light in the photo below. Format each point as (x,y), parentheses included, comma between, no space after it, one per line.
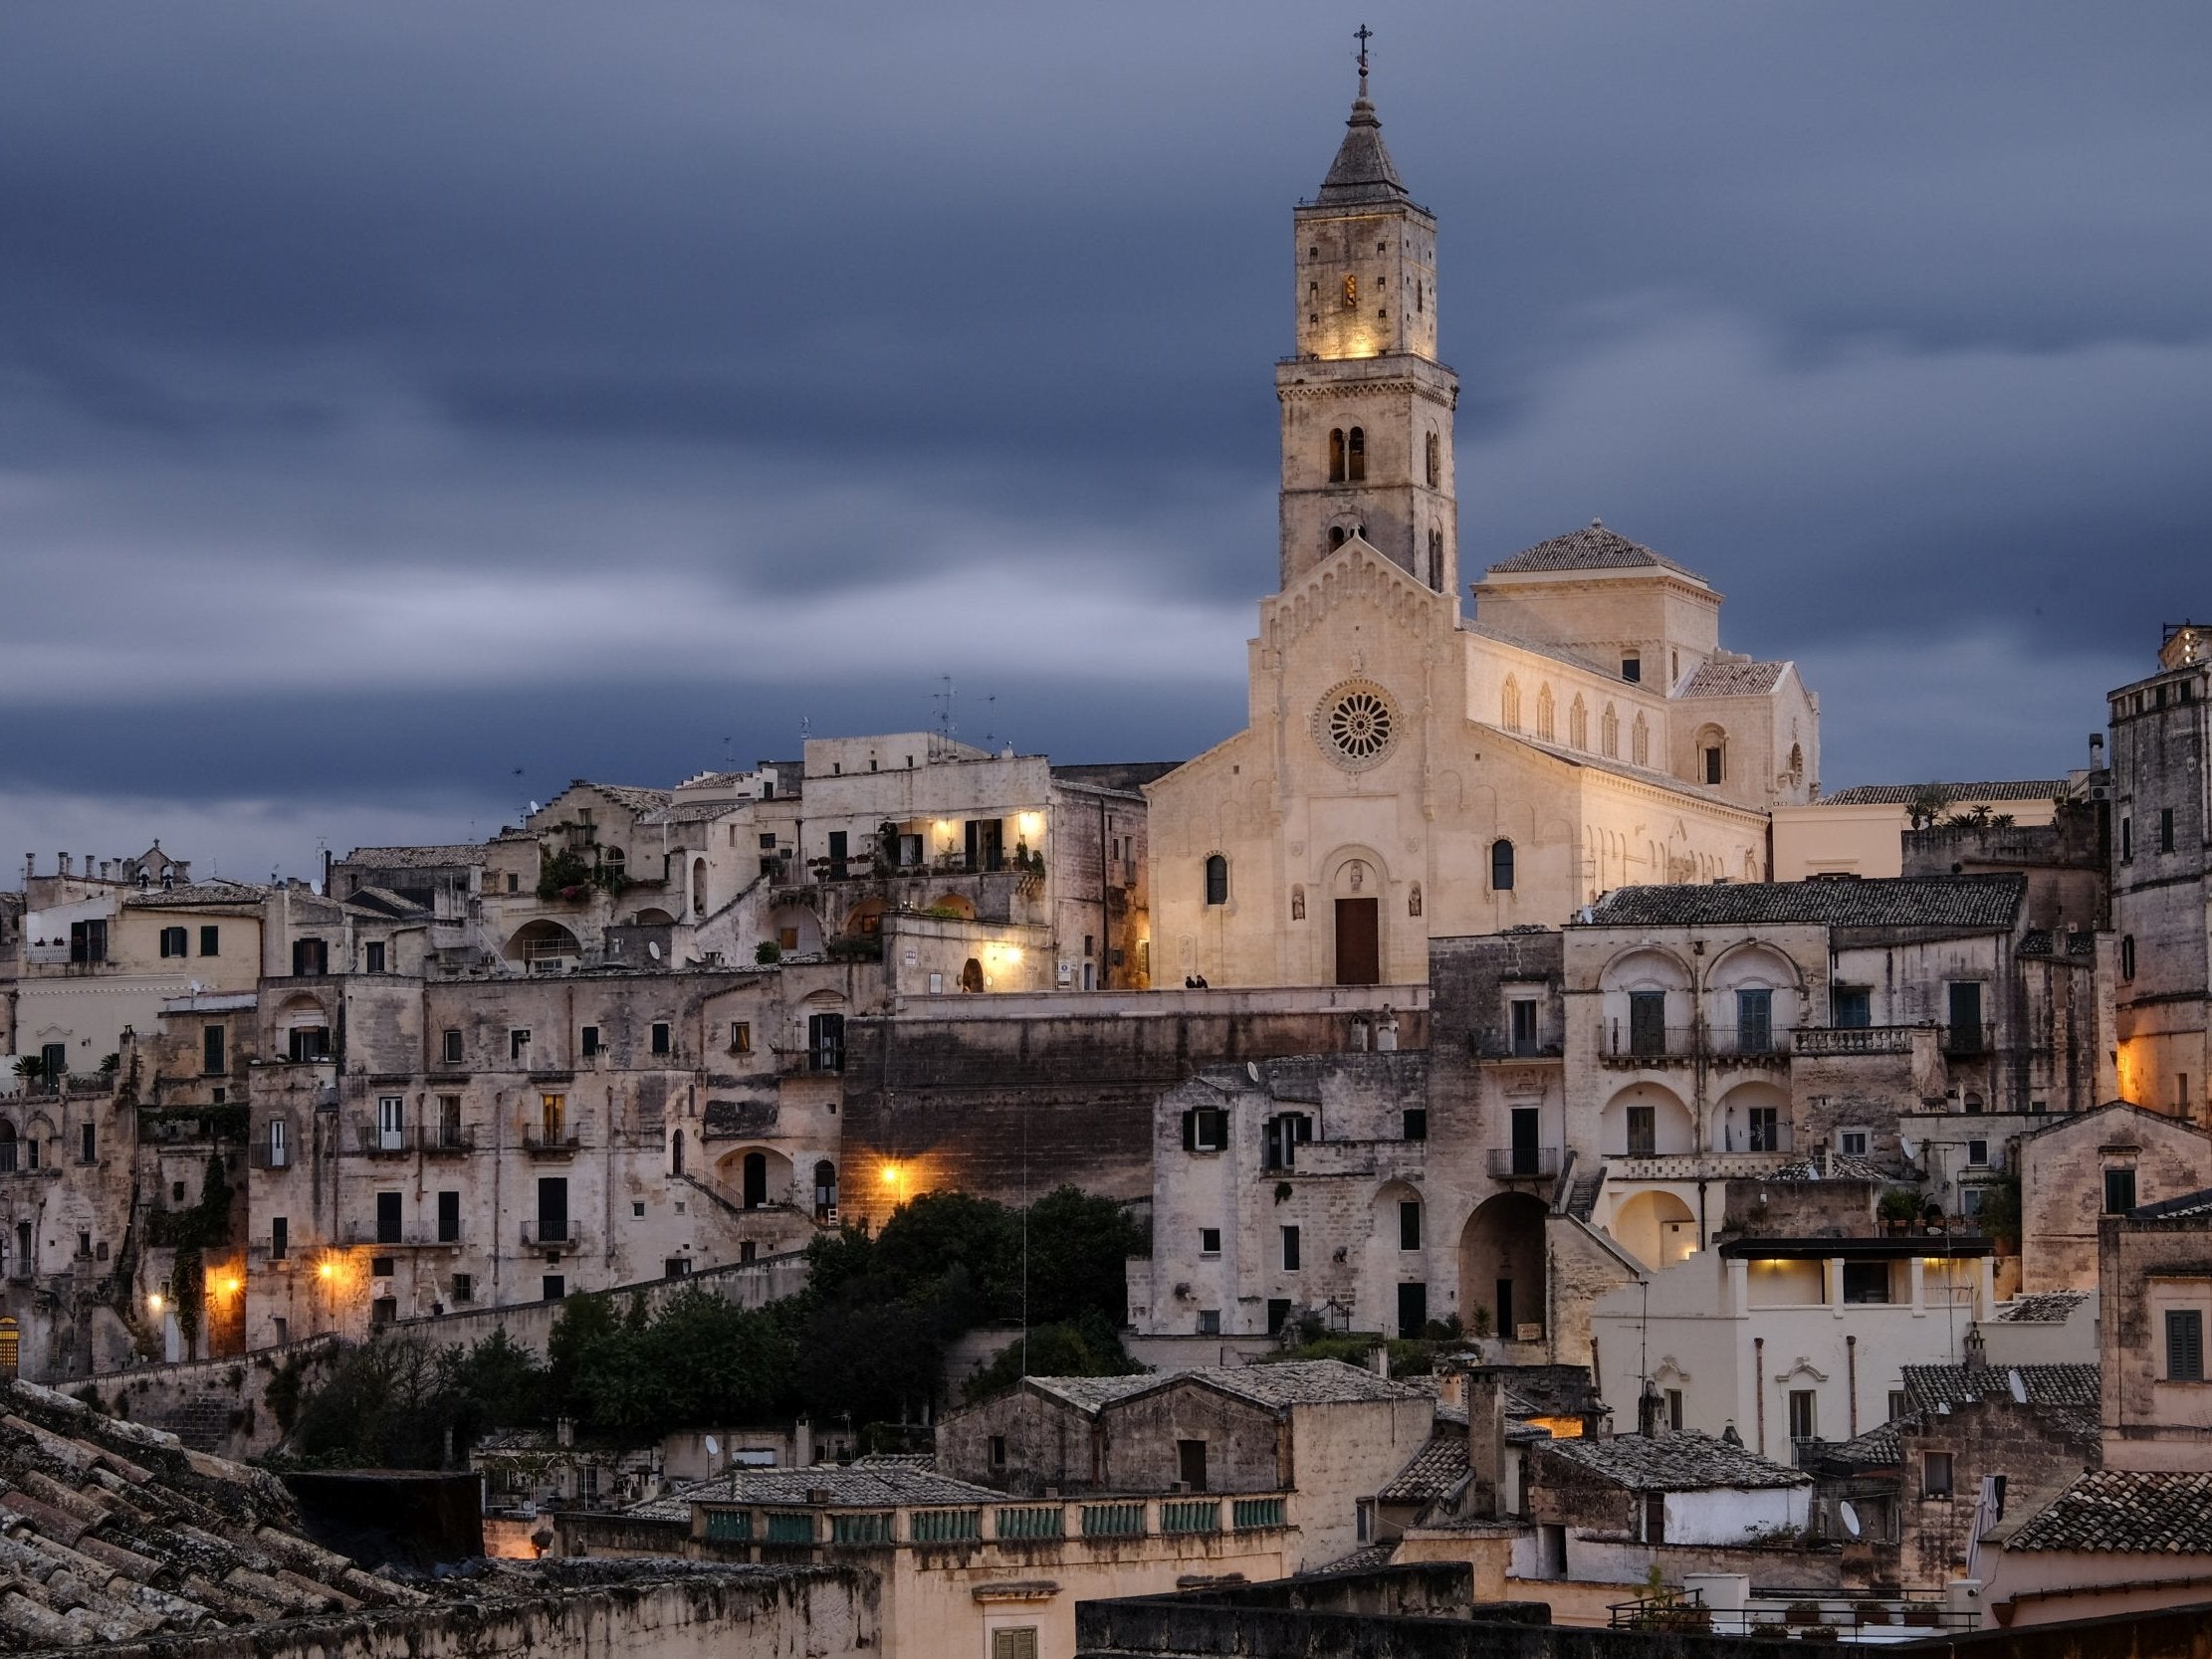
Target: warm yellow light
(154,1302)
(1032,824)
(232,1285)
(890,1174)
(326,1270)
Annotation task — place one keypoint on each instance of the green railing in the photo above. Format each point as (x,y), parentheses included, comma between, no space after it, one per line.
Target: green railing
(1113,1519)
(729,1526)
(944,1525)
(860,1529)
(1032,1522)
(785,1527)
(1251,1512)
(1186,1515)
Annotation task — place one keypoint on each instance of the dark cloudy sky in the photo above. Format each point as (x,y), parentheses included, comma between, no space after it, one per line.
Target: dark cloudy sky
(395,395)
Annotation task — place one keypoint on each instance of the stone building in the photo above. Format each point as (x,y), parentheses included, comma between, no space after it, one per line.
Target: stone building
(2161,878)
(1861,831)
(1408,773)
(2076,1170)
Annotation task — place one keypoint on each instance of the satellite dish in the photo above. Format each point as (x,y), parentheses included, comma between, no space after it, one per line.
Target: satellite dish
(2019,1386)
(1848,1516)
(1904,1146)
(714,1450)
(1252,1070)
(192,987)
(653,949)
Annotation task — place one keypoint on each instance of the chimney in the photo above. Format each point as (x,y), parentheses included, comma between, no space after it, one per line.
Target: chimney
(803,1442)
(1976,1355)
(61,860)
(1650,1411)
(30,864)
(2096,751)
(1378,1359)
(1486,1441)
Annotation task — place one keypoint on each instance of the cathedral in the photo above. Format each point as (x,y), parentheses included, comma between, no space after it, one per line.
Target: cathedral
(1410,769)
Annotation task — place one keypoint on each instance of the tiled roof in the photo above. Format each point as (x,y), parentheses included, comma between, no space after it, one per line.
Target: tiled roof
(116,1533)
(1824,1166)
(1977,902)
(692,813)
(1734,679)
(1902,794)
(1682,1460)
(1593,548)
(1877,1447)
(1544,648)
(1928,1386)
(382,902)
(2044,1307)
(2169,1209)
(1278,1387)
(853,1486)
(1363,170)
(415,858)
(2125,1511)
(198,894)
(631,795)
(1433,1471)
(897,1460)
(1365,1558)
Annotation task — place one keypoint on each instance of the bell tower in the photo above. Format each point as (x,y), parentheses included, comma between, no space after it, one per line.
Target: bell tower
(1366,405)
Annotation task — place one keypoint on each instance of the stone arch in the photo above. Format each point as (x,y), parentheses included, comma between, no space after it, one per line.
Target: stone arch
(826,1190)
(972,975)
(1656,1227)
(796,928)
(1389,1260)
(1711,763)
(1752,1118)
(544,944)
(865,919)
(1509,703)
(1640,740)
(758,1176)
(653,916)
(1608,733)
(699,887)
(1578,722)
(1503,1265)
(1544,712)
(1621,1123)
(954,904)
(1356,880)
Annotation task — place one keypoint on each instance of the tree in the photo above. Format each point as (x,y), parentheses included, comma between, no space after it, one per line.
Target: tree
(1079,1247)
(1085,1347)
(1927,805)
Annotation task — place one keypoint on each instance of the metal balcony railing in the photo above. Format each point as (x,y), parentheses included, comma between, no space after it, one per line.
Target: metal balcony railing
(1623,1043)
(1964,1042)
(564,1237)
(1525,1163)
(556,1143)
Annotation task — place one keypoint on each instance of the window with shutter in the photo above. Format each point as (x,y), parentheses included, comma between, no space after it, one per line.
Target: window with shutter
(2184,1345)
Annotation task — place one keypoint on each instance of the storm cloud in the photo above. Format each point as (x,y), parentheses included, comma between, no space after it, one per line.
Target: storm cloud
(407,408)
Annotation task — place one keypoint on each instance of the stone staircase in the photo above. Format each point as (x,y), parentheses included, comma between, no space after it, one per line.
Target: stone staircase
(1582,1196)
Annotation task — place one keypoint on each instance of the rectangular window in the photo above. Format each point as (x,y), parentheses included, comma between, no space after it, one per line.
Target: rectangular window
(1854,1006)
(1209,1241)
(1977,1151)
(660,1037)
(213,1059)
(172,942)
(1290,1250)
(1647,1022)
(211,940)
(1523,1011)
(825,1042)
(518,1043)
(1415,1123)
(1643,1132)
(2119,1191)
(1936,1474)
(552,1120)
(1409,1225)
(1754,1021)
(388,1217)
(2165,829)
(1867,1282)
(741,1036)
(1852,1143)
(280,1147)
(2184,1345)
(464,1287)
(1713,766)
(1210,1322)
(88,1150)
(1804,1414)
(449,1218)
(1015,1641)
(1278,1314)
(1766,1129)
(279,1237)
(1965,1034)
(88,941)
(1900,1404)
(589,1041)
(309,1042)
(552,1286)
(1673,1398)
(1190,1464)
(1205,1129)
(372,956)
(1413,1309)
(310,956)
(451,1051)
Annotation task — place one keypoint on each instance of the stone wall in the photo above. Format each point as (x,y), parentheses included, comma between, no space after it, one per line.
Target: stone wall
(2062,1185)
(2033,1451)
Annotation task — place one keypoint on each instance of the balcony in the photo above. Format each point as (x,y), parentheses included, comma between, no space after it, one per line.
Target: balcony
(1968,1042)
(1834,1040)
(373,1140)
(358,1238)
(1623,1045)
(553,1143)
(446,1141)
(1692,1166)
(263,1155)
(1525,1163)
(1766,1045)
(552,1238)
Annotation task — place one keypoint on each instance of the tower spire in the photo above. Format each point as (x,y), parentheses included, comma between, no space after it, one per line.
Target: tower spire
(1363,34)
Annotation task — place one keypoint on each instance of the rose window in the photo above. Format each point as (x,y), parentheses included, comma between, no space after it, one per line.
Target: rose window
(1354,724)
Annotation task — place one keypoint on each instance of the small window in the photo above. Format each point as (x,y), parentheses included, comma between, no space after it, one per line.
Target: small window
(279,1237)
(212,1045)
(1355,452)
(518,1043)
(172,942)
(1501,866)
(997,1451)
(1290,1250)
(1336,455)
(1713,764)
(1210,1322)
(1642,1128)
(381,1267)
(1854,1006)
(1209,1241)
(660,1036)
(2127,839)
(1416,1122)
(1632,668)
(2165,829)
(451,1049)
(1977,1151)
(464,1287)
(1867,1282)
(2184,1345)
(1852,1143)
(1217,880)
(589,1043)
(741,1036)
(211,940)
(372,956)
(1936,1474)
(1409,1225)
(1205,1129)
(87,1150)
(552,1286)
(2119,1191)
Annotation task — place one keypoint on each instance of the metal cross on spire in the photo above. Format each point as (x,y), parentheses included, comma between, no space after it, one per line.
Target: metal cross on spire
(1363,34)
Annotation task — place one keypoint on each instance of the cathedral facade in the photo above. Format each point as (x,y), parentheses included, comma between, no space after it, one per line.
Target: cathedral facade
(1408,771)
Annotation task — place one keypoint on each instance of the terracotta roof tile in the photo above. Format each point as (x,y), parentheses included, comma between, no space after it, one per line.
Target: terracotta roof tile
(1591,549)
(1682,1460)
(1987,902)
(2125,1511)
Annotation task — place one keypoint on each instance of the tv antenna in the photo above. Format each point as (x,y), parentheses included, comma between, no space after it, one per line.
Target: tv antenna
(944,701)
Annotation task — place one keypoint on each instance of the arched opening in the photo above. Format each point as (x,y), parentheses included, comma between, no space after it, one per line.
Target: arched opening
(971,975)
(1358,924)
(1217,879)
(1336,537)
(1336,455)
(1752,1000)
(675,1153)
(1577,723)
(1501,1267)
(616,860)
(1544,712)
(1712,756)
(699,887)
(1752,1118)
(1395,1294)
(826,1191)
(543,946)
(304,1028)
(1608,733)
(1510,705)
(1646,1119)
(1640,741)
(1656,1228)
(1436,461)
(1436,561)
(865,919)
(653,916)
(1355,455)
(1501,866)
(756,1180)
(1645,1005)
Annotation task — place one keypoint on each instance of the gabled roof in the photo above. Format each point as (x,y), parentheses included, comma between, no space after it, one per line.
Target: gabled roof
(199,896)
(415,858)
(2125,1511)
(854,1486)
(1734,679)
(1902,794)
(2165,1121)
(1592,548)
(1276,1386)
(2042,1307)
(1985,904)
(382,902)
(1928,1386)
(1680,1460)
(1433,1471)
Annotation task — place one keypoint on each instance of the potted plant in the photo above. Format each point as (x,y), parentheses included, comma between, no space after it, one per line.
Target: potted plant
(1899,1208)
